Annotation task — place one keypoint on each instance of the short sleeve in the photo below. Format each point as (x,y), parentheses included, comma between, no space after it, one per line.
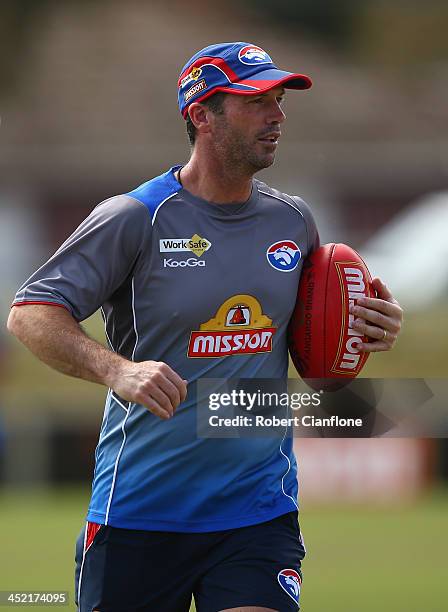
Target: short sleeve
(94,261)
(311,227)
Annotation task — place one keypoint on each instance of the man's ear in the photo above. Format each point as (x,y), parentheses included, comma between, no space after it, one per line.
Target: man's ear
(200,117)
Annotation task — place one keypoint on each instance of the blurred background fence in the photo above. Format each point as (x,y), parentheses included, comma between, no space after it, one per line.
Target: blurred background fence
(88,110)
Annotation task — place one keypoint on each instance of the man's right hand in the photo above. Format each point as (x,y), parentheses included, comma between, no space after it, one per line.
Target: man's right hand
(54,336)
(150,383)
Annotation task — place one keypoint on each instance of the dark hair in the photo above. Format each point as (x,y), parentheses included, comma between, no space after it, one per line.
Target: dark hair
(215,104)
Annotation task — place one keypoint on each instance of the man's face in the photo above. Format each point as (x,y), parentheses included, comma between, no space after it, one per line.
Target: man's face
(246,133)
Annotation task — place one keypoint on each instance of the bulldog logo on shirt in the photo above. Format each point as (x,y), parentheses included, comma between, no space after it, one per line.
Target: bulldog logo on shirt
(238,327)
(284,255)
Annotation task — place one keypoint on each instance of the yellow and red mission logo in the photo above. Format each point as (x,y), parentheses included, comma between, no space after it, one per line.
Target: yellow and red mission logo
(238,327)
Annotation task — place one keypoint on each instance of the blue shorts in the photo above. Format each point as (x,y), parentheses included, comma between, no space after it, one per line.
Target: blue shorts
(124,570)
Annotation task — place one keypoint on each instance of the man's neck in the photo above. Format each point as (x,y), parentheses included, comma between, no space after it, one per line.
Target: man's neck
(207,179)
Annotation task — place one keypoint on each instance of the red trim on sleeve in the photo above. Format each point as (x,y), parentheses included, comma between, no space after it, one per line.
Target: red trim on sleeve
(35,302)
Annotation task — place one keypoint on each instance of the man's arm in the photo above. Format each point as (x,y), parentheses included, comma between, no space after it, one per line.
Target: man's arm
(55,337)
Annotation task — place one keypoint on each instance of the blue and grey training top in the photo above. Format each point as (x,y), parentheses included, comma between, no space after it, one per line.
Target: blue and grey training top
(209,289)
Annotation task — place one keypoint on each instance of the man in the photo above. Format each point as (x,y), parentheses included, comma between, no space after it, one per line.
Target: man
(179,268)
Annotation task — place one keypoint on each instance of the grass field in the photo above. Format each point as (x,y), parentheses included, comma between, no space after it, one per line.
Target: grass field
(359,559)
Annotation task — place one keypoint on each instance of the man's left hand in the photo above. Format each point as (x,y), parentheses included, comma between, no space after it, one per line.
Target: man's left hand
(378,318)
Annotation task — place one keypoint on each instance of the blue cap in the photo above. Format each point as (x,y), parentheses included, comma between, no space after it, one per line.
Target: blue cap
(236,68)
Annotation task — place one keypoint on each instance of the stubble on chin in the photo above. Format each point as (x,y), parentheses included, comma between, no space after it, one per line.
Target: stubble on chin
(245,157)
(238,152)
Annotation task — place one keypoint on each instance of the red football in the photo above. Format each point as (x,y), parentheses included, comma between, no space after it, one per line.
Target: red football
(322,342)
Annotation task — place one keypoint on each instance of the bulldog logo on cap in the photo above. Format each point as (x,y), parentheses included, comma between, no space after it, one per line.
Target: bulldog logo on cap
(253,56)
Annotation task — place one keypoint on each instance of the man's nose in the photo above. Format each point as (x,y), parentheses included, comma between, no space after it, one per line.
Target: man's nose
(277,114)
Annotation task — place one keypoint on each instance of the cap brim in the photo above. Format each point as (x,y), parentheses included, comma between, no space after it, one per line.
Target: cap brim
(263,81)
(267,79)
